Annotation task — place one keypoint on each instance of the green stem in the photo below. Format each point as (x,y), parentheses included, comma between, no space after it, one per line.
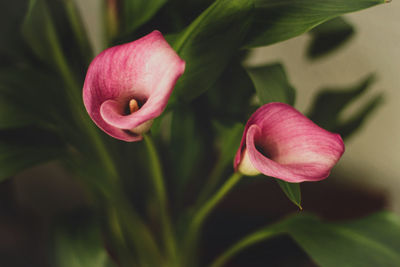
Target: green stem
(134,230)
(161,195)
(251,239)
(211,182)
(204,211)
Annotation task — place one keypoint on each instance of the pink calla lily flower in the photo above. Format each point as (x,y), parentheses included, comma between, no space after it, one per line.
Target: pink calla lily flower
(280,142)
(129,85)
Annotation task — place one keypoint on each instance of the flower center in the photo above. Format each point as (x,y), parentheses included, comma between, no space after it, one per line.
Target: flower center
(133,106)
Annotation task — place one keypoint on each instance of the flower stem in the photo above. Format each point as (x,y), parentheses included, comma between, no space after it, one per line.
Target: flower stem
(205,210)
(249,240)
(161,195)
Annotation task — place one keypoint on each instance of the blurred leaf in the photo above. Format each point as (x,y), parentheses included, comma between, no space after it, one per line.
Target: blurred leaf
(329,103)
(12,49)
(25,147)
(228,142)
(39,32)
(229,98)
(185,11)
(188,138)
(229,139)
(47,30)
(32,96)
(208,44)
(272,84)
(328,37)
(277,21)
(137,12)
(81,247)
(372,241)
(12,117)
(292,191)
(78,29)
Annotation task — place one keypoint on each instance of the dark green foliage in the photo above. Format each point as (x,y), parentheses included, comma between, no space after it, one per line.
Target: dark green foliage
(372,241)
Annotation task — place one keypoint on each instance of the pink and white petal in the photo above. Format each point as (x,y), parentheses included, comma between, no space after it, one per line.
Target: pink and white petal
(145,70)
(283,143)
(113,112)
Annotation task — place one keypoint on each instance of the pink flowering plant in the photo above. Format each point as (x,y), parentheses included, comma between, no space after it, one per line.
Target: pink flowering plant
(167,136)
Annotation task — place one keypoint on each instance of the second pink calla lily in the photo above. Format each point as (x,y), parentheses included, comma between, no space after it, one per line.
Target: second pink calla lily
(129,85)
(280,142)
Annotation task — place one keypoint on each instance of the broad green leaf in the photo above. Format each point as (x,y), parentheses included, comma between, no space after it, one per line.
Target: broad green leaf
(12,117)
(12,49)
(81,247)
(39,32)
(328,37)
(31,94)
(47,30)
(276,21)
(208,45)
(330,103)
(78,29)
(292,191)
(272,84)
(135,13)
(229,139)
(229,98)
(26,147)
(372,241)
(189,133)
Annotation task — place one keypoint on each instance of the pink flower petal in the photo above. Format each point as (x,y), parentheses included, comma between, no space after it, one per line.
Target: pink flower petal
(281,142)
(145,70)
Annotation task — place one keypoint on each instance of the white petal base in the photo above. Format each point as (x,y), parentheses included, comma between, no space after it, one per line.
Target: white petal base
(246,167)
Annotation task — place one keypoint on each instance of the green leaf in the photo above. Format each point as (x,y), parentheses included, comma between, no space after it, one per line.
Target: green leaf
(272,84)
(328,37)
(208,45)
(330,103)
(81,247)
(78,30)
(31,96)
(228,141)
(13,117)
(12,49)
(189,133)
(137,12)
(292,191)
(26,147)
(276,21)
(372,241)
(39,32)
(229,98)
